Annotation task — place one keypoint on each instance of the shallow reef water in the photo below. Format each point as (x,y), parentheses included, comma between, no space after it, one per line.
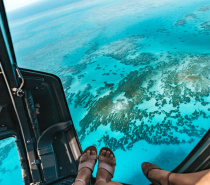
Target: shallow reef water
(135,74)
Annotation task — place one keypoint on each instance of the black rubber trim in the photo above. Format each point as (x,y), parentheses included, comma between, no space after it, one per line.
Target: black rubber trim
(198,158)
(6,27)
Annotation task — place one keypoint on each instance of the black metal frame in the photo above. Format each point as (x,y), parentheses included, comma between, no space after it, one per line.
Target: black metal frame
(25,115)
(8,69)
(6,27)
(199,157)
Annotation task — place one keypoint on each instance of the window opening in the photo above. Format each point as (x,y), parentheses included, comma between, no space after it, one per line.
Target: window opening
(10,170)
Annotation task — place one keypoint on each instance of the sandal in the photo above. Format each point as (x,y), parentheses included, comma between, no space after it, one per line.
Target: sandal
(105,163)
(147,167)
(85,163)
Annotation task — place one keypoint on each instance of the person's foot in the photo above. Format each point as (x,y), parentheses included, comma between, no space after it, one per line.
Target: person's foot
(106,166)
(156,175)
(86,165)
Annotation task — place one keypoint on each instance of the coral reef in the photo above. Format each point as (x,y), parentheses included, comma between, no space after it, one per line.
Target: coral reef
(148,103)
(206,26)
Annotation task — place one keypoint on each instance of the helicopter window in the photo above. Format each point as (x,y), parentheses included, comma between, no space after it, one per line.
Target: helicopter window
(10,170)
(135,73)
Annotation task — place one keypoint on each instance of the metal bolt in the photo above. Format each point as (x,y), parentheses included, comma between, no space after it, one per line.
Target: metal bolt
(33,162)
(28,141)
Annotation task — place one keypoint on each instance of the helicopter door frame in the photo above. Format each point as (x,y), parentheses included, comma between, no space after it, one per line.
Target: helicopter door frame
(37,149)
(11,76)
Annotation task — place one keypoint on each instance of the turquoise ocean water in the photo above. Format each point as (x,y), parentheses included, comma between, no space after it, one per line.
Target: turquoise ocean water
(135,74)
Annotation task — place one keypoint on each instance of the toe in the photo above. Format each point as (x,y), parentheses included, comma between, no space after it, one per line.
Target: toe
(103,153)
(111,156)
(93,152)
(144,165)
(88,152)
(83,156)
(107,154)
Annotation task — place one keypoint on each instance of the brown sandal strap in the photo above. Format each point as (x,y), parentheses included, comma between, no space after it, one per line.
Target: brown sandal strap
(146,168)
(107,160)
(105,163)
(87,164)
(107,167)
(84,160)
(151,169)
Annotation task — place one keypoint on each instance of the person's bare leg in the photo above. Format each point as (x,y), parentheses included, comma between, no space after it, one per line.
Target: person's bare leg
(103,177)
(85,173)
(205,180)
(187,178)
(175,178)
(113,183)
